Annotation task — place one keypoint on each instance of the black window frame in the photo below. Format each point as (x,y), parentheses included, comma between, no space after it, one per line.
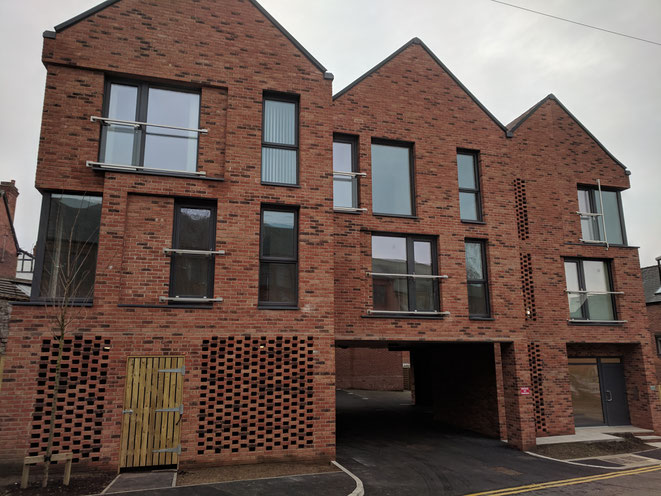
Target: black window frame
(352,140)
(288,98)
(478,186)
(485,281)
(593,209)
(410,268)
(585,310)
(401,144)
(657,340)
(141,109)
(35,294)
(268,305)
(178,205)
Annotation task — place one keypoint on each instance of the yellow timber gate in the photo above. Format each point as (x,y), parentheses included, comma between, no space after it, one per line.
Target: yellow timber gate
(153,408)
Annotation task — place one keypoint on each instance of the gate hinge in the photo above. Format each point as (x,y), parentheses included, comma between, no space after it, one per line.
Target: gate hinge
(179,409)
(176,450)
(181,370)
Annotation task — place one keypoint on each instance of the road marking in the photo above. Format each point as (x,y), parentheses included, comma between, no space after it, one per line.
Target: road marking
(360,490)
(567,482)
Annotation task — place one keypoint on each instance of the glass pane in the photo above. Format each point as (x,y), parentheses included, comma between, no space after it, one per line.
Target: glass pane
(612,217)
(172,149)
(278,234)
(279,122)
(391,293)
(194,229)
(277,282)
(424,295)
(466,167)
(600,307)
(342,160)
(474,269)
(596,275)
(389,255)
(584,201)
(590,225)
(585,395)
(477,300)
(576,300)
(278,166)
(422,257)
(391,180)
(343,191)
(468,206)
(191,275)
(119,139)
(72,237)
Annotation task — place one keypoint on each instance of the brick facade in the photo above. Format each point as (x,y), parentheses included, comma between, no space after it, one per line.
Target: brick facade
(260,384)
(368,368)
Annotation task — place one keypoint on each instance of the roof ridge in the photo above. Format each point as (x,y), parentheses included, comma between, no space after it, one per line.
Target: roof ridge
(418,41)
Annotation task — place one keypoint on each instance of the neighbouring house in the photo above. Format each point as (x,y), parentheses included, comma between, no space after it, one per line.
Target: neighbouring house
(233,224)
(652,288)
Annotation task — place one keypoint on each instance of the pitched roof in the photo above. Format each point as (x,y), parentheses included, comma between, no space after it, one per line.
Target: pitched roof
(516,123)
(652,284)
(9,290)
(84,15)
(418,41)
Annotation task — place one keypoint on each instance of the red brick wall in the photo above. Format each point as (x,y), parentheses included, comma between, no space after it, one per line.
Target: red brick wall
(369,368)
(654,315)
(8,253)
(232,58)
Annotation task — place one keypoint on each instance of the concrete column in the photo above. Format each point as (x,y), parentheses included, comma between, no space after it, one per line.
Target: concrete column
(519,408)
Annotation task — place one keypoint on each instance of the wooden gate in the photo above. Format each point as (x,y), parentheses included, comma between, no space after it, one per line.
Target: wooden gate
(152,412)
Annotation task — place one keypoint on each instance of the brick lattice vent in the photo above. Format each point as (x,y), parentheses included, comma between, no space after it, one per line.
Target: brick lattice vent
(256,394)
(528,287)
(521,209)
(80,406)
(536,375)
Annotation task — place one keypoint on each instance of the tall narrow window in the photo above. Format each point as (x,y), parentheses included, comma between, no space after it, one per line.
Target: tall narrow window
(345,173)
(477,279)
(278,257)
(151,127)
(589,290)
(68,240)
(599,225)
(392,185)
(191,273)
(280,141)
(470,202)
(404,274)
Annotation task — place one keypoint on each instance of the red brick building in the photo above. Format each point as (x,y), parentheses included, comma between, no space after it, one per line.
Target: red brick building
(222,223)
(652,288)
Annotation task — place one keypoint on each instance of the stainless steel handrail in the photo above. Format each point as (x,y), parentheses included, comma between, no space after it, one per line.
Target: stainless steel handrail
(193,252)
(417,276)
(594,292)
(406,312)
(349,174)
(136,124)
(349,209)
(188,300)
(107,165)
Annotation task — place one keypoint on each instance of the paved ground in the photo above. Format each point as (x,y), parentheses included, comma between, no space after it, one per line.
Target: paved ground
(395,449)
(133,481)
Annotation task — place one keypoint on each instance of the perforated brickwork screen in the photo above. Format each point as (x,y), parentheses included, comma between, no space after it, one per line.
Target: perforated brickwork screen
(536,374)
(521,208)
(256,394)
(528,286)
(80,405)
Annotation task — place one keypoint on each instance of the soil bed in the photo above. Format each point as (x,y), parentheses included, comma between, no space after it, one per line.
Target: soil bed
(567,451)
(81,483)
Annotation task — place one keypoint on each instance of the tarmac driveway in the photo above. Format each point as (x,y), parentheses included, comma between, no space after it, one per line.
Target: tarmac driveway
(396,449)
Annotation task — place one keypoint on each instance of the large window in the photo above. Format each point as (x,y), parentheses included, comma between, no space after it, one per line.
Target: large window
(345,173)
(280,140)
(599,225)
(151,127)
(68,241)
(278,257)
(477,279)
(404,274)
(470,204)
(589,289)
(392,182)
(192,263)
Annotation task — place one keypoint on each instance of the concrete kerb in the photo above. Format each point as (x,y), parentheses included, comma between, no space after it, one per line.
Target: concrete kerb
(360,490)
(576,461)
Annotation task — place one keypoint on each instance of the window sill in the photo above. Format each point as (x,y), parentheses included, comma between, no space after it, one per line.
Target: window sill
(601,323)
(148,172)
(478,222)
(51,303)
(277,307)
(351,211)
(165,307)
(483,319)
(398,216)
(282,185)
(602,244)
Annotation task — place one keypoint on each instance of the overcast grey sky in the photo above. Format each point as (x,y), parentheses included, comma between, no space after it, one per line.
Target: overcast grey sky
(508,58)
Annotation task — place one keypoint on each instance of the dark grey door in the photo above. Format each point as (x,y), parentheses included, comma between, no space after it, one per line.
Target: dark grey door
(614,392)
